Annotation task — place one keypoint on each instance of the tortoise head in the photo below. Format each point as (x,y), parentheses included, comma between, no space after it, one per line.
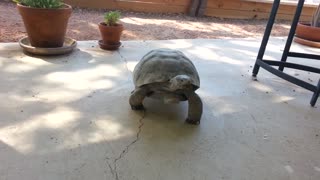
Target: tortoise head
(179,82)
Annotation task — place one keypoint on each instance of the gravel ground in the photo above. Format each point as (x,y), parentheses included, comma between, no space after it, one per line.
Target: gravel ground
(144,26)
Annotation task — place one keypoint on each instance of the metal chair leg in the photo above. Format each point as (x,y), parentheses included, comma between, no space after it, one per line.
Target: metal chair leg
(315,95)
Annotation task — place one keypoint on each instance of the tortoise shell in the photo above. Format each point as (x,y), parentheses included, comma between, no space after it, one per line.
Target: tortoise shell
(160,65)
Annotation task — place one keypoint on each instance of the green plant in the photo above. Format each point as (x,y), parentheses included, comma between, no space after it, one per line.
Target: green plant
(111,18)
(50,4)
(316,18)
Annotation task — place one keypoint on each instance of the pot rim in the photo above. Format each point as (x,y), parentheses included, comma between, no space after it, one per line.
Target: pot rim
(307,25)
(304,23)
(104,24)
(66,6)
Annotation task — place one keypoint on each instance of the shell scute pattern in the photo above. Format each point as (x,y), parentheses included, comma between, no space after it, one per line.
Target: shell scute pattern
(161,65)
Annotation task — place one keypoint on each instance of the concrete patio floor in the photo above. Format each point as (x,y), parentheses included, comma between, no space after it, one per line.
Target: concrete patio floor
(68,117)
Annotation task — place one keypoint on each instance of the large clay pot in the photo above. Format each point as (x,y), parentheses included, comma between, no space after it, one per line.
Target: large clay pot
(111,34)
(45,27)
(307,32)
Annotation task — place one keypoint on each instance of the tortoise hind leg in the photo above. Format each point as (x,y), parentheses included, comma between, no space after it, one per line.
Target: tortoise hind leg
(137,97)
(195,108)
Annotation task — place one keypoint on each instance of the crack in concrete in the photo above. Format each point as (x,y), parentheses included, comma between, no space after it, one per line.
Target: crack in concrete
(113,166)
(79,167)
(126,150)
(111,170)
(114,169)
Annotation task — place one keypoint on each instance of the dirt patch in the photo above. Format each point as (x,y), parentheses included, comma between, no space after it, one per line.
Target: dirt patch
(144,26)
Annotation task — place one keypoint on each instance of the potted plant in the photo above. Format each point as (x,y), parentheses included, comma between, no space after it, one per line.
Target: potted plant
(309,33)
(110,31)
(45,21)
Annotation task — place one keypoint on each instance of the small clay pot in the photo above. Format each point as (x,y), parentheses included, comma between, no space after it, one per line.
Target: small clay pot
(45,27)
(110,34)
(307,32)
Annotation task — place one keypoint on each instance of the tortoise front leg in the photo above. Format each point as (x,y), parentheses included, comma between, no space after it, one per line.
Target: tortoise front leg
(195,108)
(137,97)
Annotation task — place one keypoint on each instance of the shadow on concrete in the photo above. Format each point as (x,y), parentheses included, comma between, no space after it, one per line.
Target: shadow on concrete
(69,118)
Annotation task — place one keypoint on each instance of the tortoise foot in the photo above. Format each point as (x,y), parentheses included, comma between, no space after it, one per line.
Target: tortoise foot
(194,122)
(139,107)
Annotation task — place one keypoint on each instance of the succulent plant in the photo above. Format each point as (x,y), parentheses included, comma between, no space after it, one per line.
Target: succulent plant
(111,18)
(49,4)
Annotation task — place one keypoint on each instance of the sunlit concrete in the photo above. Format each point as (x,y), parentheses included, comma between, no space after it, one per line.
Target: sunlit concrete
(68,117)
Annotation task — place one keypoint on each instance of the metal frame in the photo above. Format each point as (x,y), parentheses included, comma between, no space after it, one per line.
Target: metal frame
(267,64)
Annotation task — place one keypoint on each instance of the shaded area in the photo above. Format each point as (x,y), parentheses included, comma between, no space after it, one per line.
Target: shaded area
(144,26)
(68,117)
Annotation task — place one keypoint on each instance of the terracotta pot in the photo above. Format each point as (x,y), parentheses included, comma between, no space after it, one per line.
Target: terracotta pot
(305,31)
(45,27)
(110,34)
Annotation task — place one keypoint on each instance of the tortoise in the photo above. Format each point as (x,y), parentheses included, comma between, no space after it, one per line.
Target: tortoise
(170,76)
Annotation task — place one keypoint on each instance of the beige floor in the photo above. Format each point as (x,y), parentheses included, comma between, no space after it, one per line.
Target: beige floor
(68,117)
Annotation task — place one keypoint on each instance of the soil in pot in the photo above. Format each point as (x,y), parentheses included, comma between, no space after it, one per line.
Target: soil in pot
(45,27)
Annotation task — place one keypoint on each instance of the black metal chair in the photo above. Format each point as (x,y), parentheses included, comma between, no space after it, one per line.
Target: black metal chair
(267,64)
